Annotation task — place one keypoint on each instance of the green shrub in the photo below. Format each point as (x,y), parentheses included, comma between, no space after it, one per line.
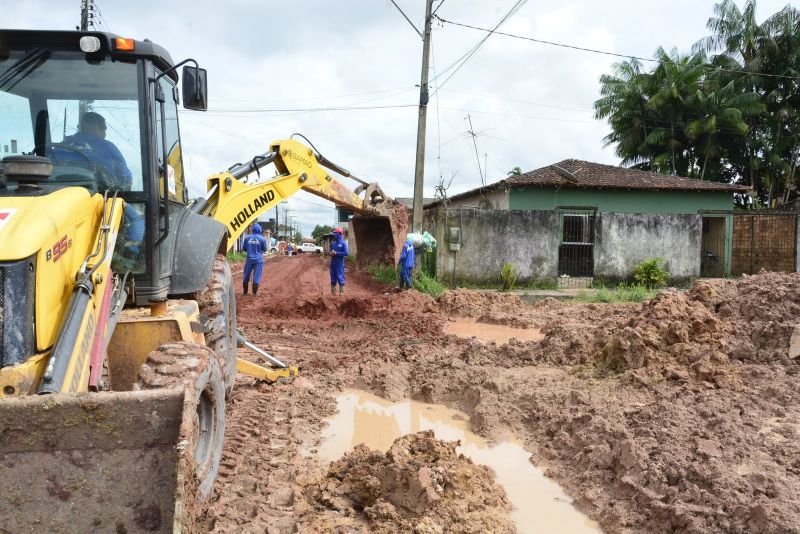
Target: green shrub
(385,274)
(427,284)
(650,274)
(509,274)
(236,256)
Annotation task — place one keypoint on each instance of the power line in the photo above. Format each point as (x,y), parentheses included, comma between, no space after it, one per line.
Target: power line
(394,90)
(406,17)
(309,110)
(520,101)
(604,52)
(510,12)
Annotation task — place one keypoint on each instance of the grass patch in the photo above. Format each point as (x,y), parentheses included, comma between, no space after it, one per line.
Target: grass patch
(621,293)
(385,274)
(422,282)
(236,256)
(427,284)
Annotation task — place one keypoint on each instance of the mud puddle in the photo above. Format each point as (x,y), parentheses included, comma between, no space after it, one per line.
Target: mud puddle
(540,505)
(486,332)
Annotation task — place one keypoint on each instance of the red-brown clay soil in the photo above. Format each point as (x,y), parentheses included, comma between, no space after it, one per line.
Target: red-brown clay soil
(681,414)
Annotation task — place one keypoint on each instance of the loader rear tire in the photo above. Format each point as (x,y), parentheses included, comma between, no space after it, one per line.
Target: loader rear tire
(195,368)
(217,303)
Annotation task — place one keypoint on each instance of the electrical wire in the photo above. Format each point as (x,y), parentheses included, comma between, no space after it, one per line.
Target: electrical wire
(539,104)
(606,53)
(310,110)
(516,7)
(329,97)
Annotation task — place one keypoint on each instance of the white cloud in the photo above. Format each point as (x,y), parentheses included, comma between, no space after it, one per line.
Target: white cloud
(531,103)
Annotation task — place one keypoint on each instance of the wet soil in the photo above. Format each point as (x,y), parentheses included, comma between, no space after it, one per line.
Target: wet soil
(539,505)
(678,414)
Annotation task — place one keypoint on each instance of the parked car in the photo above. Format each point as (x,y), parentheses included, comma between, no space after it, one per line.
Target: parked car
(309,247)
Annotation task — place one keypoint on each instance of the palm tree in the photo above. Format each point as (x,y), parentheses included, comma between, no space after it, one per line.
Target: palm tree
(722,112)
(677,79)
(516,171)
(735,32)
(624,98)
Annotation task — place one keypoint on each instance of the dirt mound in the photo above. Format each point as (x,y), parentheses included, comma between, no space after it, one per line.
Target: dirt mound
(419,485)
(673,335)
(335,307)
(679,335)
(486,306)
(762,310)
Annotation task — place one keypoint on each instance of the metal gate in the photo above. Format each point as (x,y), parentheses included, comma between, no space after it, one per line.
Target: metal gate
(576,250)
(764,240)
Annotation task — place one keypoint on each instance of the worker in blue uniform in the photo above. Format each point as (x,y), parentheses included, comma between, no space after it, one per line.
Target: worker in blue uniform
(338,254)
(255,246)
(406,265)
(91,142)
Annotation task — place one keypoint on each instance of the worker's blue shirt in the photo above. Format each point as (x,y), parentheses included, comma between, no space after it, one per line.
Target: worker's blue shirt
(407,256)
(339,246)
(97,150)
(255,245)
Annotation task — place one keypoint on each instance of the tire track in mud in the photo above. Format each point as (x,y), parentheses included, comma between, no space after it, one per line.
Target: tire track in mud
(266,427)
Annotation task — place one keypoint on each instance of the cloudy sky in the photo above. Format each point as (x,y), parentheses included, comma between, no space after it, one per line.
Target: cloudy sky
(344,74)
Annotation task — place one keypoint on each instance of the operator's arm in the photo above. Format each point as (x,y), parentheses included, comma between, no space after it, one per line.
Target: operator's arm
(121,170)
(263,243)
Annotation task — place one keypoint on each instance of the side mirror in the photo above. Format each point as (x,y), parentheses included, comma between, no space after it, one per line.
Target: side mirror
(195,88)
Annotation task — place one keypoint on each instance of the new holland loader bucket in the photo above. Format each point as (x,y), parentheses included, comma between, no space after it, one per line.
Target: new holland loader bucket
(101,462)
(379,238)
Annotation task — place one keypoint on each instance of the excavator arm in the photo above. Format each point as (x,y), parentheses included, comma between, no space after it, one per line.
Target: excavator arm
(236,199)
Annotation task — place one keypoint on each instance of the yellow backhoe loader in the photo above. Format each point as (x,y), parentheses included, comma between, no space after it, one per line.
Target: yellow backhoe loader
(118,338)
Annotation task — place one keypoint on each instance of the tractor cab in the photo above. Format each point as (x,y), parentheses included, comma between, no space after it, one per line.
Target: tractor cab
(100,112)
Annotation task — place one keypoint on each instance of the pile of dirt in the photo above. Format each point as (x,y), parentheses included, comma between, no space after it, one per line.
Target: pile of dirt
(762,311)
(696,334)
(419,485)
(674,336)
(486,306)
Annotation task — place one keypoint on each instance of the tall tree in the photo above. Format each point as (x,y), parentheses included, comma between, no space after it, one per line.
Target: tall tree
(321,230)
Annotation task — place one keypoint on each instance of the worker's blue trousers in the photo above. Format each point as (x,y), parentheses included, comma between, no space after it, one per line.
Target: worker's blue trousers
(337,273)
(255,269)
(405,276)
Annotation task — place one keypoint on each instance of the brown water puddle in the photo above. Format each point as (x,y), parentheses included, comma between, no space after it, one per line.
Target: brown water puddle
(486,332)
(540,505)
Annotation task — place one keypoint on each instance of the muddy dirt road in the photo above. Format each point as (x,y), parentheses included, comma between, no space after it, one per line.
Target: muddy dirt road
(681,414)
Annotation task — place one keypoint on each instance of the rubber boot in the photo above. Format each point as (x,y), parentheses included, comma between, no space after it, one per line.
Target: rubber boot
(244,286)
(341,290)
(333,289)
(255,289)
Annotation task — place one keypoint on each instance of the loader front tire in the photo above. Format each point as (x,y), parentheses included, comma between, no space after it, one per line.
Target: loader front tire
(196,369)
(217,303)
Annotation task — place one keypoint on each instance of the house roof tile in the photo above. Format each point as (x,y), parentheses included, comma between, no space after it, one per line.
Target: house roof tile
(586,174)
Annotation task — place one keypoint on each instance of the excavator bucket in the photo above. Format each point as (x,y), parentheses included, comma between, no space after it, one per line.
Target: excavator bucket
(101,462)
(379,236)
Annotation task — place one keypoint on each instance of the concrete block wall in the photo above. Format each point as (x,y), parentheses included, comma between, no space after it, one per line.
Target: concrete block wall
(623,240)
(490,238)
(530,240)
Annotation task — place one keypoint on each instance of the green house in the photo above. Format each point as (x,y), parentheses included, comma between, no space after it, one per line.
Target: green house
(582,219)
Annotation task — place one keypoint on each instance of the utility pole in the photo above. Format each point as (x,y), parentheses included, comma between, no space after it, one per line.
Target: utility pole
(419,169)
(83,105)
(84,15)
